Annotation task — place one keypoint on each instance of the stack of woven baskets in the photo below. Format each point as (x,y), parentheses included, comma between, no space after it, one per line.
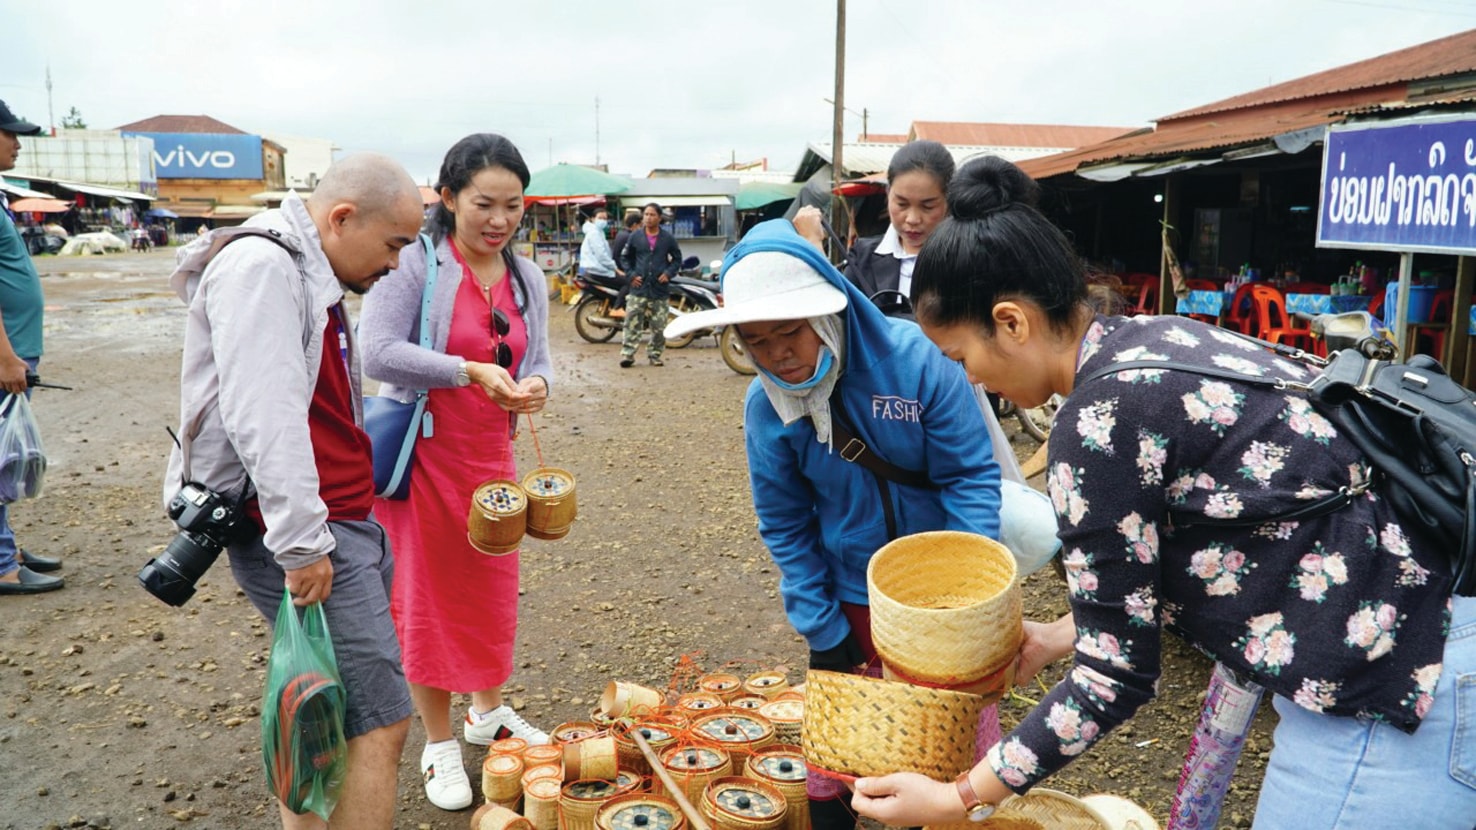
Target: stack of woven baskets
(946,622)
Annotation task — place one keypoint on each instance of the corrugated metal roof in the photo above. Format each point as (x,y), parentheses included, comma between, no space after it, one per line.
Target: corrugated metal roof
(1039,136)
(686,186)
(1317,100)
(1445,57)
(181,124)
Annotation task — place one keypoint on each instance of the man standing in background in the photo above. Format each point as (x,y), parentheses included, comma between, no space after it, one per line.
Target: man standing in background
(20,351)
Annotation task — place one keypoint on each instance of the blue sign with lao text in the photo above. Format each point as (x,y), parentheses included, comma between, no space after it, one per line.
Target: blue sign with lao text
(206,155)
(1400,186)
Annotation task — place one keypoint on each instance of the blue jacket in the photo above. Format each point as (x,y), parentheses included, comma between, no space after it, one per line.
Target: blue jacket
(820,515)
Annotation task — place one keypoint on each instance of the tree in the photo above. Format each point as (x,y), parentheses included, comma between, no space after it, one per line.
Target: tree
(73,120)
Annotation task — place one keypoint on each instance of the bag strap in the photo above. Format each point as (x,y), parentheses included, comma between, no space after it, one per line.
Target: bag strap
(431,267)
(855,450)
(1337,501)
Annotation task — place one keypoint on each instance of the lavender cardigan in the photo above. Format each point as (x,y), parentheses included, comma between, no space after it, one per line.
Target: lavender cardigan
(389,324)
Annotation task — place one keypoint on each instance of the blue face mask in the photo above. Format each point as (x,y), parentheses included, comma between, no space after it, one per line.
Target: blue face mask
(826,359)
(602,223)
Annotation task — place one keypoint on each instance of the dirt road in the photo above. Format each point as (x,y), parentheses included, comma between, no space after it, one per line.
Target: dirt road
(118,711)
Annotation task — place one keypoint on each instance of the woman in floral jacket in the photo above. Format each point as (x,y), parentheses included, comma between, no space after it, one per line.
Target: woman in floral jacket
(1347,618)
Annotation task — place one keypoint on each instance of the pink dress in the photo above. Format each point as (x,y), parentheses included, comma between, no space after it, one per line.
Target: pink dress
(455,608)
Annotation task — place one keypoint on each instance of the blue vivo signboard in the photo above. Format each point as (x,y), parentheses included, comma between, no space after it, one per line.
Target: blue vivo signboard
(206,155)
(1407,185)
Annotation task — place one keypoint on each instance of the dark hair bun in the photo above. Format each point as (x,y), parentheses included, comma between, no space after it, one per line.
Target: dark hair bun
(989,183)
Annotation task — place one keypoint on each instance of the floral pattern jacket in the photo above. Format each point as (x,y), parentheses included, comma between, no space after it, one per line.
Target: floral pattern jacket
(1343,614)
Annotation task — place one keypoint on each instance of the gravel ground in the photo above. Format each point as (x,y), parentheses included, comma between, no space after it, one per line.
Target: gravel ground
(118,711)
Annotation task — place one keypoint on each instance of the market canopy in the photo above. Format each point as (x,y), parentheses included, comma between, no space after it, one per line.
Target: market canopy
(572,180)
(37,205)
(754,195)
(162,213)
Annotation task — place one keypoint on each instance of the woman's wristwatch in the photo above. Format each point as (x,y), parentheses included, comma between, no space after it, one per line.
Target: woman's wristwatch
(462,378)
(976,808)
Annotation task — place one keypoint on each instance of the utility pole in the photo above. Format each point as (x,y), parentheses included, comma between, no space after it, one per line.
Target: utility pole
(50,114)
(597,131)
(837,161)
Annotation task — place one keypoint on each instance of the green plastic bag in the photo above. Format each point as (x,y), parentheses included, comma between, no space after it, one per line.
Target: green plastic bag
(302,742)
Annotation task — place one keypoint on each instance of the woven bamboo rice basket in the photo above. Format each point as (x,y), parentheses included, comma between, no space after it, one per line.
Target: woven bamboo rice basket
(498,517)
(944,632)
(699,702)
(747,701)
(861,726)
(621,699)
(502,778)
(543,754)
(741,732)
(593,757)
(533,773)
(691,767)
(552,504)
(496,817)
(640,811)
(574,731)
(1119,812)
(541,802)
(766,684)
(724,685)
(739,803)
(579,800)
(508,746)
(1039,809)
(659,733)
(787,715)
(782,766)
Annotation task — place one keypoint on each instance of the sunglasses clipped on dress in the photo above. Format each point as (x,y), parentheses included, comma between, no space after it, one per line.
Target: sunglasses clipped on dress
(501,352)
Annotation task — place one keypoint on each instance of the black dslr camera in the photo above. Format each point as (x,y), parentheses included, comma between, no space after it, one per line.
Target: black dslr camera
(208,521)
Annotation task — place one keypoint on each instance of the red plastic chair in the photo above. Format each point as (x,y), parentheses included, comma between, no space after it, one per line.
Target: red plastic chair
(1241,314)
(1273,324)
(1147,302)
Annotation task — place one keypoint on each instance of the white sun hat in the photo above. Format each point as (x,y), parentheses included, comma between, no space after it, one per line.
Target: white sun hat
(766,285)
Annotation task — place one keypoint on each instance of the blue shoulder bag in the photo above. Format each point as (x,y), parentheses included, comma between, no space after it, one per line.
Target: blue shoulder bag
(393,426)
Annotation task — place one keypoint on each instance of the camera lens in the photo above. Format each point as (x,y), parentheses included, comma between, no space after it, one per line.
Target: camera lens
(171,576)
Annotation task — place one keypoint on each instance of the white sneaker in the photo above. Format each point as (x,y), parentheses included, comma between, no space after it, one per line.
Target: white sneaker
(500,723)
(446,784)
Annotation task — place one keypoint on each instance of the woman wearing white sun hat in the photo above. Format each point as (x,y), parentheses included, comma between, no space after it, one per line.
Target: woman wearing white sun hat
(830,362)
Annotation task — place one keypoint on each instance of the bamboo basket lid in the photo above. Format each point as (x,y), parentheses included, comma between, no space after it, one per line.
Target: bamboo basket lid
(781,763)
(745,798)
(699,701)
(548,482)
(639,811)
(722,684)
(574,731)
(595,789)
(784,710)
(692,759)
(739,728)
(746,701)
(500,498)
(766,684)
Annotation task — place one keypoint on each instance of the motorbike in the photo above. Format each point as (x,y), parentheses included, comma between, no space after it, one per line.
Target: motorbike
(593,317)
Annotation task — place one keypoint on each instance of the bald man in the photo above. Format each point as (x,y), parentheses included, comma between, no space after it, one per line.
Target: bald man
(271,414)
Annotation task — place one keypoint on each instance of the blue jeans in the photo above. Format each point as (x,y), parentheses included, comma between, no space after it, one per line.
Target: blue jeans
(9,552)
(1338,772)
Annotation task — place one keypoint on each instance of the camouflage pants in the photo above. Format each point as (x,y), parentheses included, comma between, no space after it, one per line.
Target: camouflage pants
(643,313)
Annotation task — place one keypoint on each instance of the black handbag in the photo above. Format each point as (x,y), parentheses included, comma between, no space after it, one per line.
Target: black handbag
(1414,424)
(393,426)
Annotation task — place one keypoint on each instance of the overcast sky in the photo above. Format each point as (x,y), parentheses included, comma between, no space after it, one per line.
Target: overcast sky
(680,84)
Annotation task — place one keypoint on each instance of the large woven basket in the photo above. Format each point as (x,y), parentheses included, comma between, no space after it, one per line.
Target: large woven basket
(857,725)
(1039,809)
(945,607)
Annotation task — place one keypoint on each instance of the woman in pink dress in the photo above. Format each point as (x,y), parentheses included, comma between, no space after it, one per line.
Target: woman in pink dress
(455,608)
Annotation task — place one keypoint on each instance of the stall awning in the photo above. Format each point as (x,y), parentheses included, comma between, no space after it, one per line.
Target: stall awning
(681,201)
(107,192)
(192,210)
(235,211)
(18,192)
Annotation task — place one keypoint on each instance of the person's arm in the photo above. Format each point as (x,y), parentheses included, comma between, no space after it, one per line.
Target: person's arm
(960,455)
(388,327)
(537,366)
(602,254)
(254,300)
(12,368)
(784,501)
(673,258)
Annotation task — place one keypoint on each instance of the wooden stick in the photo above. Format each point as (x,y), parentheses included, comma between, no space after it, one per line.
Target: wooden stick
(694,818)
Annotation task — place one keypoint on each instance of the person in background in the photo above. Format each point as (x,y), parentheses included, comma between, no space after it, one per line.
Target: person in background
(632,221)
(826,356)
(21,309)
(270,413)
(651,258)
(456,608)
(1171,490)
(594,251)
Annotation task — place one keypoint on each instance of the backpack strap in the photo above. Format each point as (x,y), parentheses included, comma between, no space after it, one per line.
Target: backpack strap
(854,450)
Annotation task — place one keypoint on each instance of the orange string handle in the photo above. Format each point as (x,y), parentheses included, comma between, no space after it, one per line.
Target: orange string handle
(536,448)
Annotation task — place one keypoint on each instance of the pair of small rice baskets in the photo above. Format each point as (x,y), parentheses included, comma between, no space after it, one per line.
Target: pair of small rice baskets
(502,512)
